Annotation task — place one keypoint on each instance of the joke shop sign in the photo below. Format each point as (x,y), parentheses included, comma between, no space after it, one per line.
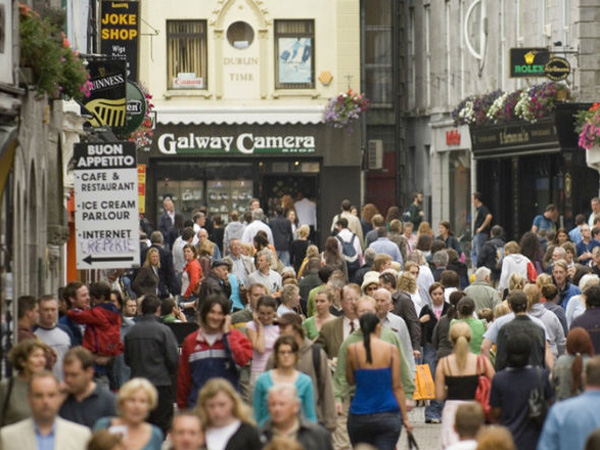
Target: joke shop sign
(119,33)
(244,143)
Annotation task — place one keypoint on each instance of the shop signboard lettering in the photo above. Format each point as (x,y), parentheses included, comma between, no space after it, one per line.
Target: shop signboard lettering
(108,97)
(528,62)
(557,68)
(106,205)
(243,143)
(452,137)
(492,140)
(119,33)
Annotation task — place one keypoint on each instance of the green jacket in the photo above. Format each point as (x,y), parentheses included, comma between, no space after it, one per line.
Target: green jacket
(343,390)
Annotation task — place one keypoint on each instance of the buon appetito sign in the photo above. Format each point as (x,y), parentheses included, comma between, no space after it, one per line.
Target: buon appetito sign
(106,206)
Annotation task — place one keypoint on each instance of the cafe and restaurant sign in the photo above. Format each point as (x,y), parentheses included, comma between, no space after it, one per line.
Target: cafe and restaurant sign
(515,138)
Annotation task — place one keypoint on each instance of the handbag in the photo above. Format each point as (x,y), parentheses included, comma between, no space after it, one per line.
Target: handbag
(424,386)
(537,407)
(412,442)
(484,387)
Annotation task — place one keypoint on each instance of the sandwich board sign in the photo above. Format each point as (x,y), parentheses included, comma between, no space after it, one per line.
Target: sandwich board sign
(106,206)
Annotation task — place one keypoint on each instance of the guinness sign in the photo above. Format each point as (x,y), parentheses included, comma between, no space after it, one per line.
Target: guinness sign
(557,68)
(108,96)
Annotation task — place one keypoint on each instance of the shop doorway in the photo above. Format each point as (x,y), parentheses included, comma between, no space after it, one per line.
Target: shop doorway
(273,187)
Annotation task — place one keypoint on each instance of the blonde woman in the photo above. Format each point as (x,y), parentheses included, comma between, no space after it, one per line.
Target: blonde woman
(407,283)
(135,400)
(456,378)
(226,418)
(146,281)
(299,247)
(312,251)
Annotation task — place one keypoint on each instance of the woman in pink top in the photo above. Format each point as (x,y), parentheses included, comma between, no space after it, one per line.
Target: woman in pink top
(263,334)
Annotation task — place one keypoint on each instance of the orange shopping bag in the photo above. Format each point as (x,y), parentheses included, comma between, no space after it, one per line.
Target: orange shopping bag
(424,386)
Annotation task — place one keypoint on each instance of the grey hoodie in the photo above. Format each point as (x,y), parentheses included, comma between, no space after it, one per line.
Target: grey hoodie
(554,330)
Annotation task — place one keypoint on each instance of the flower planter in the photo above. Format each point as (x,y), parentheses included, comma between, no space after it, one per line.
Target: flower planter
(592,157)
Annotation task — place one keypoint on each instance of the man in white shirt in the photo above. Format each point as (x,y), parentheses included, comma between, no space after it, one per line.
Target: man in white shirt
(595,204)
(53,335)
(187,237)
(467,423)
(306,210)
(256,226)
(264,274)
(353,221)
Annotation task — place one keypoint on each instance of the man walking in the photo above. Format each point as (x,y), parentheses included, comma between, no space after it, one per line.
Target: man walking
(48,331)
(151,352)
(44,430)
(483,220)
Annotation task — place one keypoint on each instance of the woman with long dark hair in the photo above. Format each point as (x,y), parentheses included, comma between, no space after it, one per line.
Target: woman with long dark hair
(332,255)
(446,235)
(440,339)
(531,247)
(378,408)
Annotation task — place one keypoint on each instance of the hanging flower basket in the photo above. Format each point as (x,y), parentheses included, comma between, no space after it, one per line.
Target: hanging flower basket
(342,111)
(587,124)
(55,69)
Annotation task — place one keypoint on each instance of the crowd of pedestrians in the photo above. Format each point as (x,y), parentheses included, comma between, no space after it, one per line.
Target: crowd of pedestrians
(250,336)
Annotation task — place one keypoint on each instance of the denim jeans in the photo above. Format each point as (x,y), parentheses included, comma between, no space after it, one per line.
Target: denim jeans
(476,244)
(284,257)
(434,409)
(381,430)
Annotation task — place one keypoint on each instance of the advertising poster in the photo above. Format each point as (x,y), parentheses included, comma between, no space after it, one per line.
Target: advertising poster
(295,60)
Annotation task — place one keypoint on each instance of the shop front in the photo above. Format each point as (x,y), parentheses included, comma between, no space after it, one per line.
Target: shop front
(451,177)
(224,166)
(522,167)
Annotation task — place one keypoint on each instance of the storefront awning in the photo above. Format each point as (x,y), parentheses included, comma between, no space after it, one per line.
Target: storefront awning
(240,115)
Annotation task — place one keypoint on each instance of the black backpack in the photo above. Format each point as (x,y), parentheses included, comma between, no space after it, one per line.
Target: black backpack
(350,254)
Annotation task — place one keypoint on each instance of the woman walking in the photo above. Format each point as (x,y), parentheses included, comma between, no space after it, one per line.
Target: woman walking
(378,409)
(456,379)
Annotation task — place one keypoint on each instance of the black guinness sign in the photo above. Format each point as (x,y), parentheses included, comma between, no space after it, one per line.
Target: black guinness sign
(557,68)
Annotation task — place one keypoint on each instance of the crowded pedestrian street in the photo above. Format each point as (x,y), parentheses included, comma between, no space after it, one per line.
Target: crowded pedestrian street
(309,225)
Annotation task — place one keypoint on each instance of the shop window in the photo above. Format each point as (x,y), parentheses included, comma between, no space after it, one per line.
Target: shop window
(294,53)
(240,35)
(186,54)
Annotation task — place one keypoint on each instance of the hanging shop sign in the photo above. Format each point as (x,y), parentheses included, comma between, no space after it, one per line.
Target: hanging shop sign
(106,205)
(108,95)
(243,143)
(136,108)
(528,62)
(119,33)
(557,68)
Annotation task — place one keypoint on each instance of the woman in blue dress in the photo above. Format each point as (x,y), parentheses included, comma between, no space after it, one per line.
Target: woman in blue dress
(378,408)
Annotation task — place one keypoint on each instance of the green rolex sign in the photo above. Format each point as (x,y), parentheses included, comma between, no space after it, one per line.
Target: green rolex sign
(136,108)
(528,62)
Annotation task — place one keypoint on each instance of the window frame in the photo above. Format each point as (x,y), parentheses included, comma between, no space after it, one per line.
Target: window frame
(203,45)
(277,35)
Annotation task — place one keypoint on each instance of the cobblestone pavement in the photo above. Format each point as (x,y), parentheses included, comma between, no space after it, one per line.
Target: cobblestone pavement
(426,435)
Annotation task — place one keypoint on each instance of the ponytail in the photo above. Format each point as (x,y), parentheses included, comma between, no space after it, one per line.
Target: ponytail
(576,370)
(367,344)
(461,350)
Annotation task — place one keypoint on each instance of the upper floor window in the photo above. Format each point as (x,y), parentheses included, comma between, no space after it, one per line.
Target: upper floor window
(294,54)
(186,54)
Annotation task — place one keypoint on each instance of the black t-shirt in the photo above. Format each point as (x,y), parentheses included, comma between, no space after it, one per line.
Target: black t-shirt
(510,392)
(480,216)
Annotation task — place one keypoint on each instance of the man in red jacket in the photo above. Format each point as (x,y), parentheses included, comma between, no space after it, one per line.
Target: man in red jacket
(215,350)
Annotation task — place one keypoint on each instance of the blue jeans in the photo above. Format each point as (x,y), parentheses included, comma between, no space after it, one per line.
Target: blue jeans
(381,430)
(284,257)
(476,244)
(434,409)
